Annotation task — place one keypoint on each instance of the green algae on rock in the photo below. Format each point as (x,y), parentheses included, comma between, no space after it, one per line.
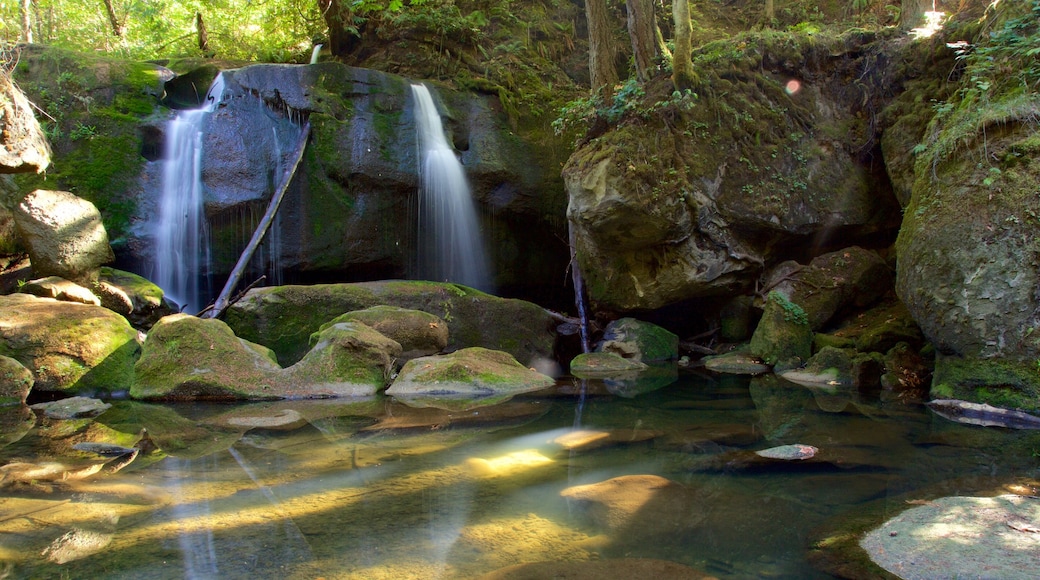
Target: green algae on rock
(472,373)
(419,333)
(783,337)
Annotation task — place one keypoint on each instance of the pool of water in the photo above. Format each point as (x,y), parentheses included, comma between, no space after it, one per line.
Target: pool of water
(374,489)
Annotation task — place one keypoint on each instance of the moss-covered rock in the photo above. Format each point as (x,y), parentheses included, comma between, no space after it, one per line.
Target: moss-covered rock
(15,382)
(135,297)
(833,367)
(470,373)
(998,382)
(283,317)
(639,340)
(190,358)
(593,364)
(349,359)
(783,337)
(71,348)
(419,333)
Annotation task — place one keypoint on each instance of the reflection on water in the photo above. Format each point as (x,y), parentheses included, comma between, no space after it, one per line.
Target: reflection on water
(377,490)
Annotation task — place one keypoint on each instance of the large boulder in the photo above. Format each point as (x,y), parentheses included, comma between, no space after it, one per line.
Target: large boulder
(23,146)
(639,340)
(70,348)
(471,372)
(64,235)
(283,317)
(695,198)
(419,333)
(783,337)
(348,359)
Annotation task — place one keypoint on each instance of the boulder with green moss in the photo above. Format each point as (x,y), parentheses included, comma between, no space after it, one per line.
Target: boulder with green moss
(468,373)
(639,340)
(783,337)
(138,299)
(595,364)
(348,359)
(284,317)
(419,333)
(71,348)
(832,367)
(15,382)
(189,358)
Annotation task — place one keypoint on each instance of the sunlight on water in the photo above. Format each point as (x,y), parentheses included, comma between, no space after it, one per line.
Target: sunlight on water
(669,475)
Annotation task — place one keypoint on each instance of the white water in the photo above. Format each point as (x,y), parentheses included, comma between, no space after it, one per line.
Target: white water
(315,52)
(450,244)
(181,240)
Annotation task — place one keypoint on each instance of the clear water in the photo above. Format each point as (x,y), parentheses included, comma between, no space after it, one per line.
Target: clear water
(181,241)
(451,246)
(372,489)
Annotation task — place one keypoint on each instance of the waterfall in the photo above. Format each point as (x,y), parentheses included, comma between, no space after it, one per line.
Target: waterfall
(182,245)
(315,52)
(450,245)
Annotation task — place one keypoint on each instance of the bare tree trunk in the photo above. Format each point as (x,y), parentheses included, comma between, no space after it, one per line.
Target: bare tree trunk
(117,29)
(203,36)
(911,13)
(682,65)
(642,27)
(25,7)
(601,52)
(770,12)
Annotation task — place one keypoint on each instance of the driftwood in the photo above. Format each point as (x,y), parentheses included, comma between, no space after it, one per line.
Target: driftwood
(223,301)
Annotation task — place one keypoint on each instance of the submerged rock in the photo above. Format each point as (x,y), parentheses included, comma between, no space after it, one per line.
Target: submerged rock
(636,508)
(72,408)
(610,569)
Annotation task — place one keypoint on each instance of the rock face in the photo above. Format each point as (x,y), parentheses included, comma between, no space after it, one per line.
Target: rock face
(64,235)
(695,199)
(23,146)
(72,348)
(283,318)
(342,218)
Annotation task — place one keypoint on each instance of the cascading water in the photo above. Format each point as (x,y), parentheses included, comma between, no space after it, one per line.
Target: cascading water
(450,244)
(181,240)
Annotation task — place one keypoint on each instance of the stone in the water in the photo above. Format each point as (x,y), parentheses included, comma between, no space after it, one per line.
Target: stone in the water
(75,545)
(982,414)
(634,508)
(796,451)
(284,420)
(105,449)
(72,408)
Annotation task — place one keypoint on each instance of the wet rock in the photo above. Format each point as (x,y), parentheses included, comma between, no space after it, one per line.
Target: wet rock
(23,145)
(954,537)
(983,414)
(641,341)
(470,373)
(64,235)
(737,362)
(419,333)
(792,452)
(15,422)
(283,420)
(833,367)
(589,439)
(598,364)
(611,569)
(59,288)
(783,337)
(71,348)
(72,408)
(283,317)
(15,382)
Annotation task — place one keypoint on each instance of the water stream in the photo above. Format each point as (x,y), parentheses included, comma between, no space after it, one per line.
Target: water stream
(451,248)
(372,489)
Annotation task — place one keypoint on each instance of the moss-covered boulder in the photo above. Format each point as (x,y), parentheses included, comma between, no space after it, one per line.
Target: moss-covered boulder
(283,317)
(71,348)
(833,367)
(23,145)
(133,296)
(689,195)
(419,333)
(783,337)
(64,235)
(603,363)
(468,373)
(349,359)
(189,358)
(59,288)
(850,278)
(15,382)
(639,340)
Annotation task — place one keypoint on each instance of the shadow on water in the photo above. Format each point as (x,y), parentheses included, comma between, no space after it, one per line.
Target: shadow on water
(574,474)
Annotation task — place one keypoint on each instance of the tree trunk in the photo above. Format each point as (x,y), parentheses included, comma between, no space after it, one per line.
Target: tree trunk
(25,7)
(200,29)
(770,12)
(117,29)
(911,13)
(337,16)
(601,52)
(682,65)
(642,30)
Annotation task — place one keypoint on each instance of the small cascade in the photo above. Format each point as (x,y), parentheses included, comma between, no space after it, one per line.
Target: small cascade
(182,245)
(315,52)
(449,239)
